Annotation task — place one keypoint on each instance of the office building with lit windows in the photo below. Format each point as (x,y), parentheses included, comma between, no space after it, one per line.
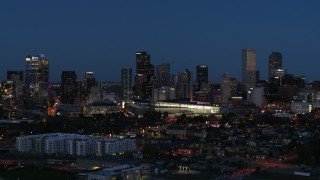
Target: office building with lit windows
(183,85)
(249,68)
(225,88)
(179,108)
(275,63)
(89,82)
(37,72)
(234,87)
(68,87)
(163,75)
(73,144)
(126,83)
(144,76)
(17,78)
(202,76)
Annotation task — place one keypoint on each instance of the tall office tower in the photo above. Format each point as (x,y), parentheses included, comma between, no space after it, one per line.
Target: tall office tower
(234,87)
(202,76)
(37,72)
(163,75)
(144,76)
(126,83)
(275,63)
(184,85)
(249,68)
(256,95)
(17,78)
(79,92)
(8,100)
(163,93)
(225,88)
(68,87)
(89,82)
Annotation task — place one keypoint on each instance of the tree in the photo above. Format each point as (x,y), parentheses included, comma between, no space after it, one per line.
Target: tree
(165,115)
(149,150)
(182,120)
(154,116)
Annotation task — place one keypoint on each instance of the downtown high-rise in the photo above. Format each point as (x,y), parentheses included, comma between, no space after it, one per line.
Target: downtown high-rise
(226,85)
(163,75)
(183,85)
(126,83)
(275,63)
(144,76)
(248,68)
(68,87)
(37,72)
(17,78)
(202,76)
(89,82)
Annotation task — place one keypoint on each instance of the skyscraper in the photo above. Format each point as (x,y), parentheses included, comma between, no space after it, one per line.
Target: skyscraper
(163,74)
(183,85)
(256,95)
(80,92)
(17,78)
(68,87)
(144,76)
(202,76)
(225,88)
(37,72)
(89,82)
(234,87)
(126,83)
(249,67)
(275,63)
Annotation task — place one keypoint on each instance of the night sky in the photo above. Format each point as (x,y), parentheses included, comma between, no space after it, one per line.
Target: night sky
(102,35)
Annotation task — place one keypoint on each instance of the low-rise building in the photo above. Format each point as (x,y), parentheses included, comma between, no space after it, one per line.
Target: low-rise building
(177,131)
(125,172)
(73,144)
(102,108)
(184,108)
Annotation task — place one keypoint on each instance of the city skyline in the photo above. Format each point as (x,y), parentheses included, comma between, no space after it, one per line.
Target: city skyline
(107,34)
(159,89)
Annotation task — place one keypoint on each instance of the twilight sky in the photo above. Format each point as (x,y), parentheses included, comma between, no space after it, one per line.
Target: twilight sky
(102,35)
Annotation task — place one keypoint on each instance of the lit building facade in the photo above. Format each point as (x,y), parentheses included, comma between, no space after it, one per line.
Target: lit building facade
(73,144)
(301,107)
(126,83)
(37,73)
(163,93)
(186,108)
(256,96)
(163,74)
(202,76)
(144,76)
(68,87)
(102,108)
(234,87)
(8,99)
(17,78)
(249,68)
(89,82)
(80,94)
(225,88)
(275,63)
(183,85)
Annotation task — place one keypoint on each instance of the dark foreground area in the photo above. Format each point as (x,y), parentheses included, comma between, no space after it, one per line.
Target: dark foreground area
(35,174)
